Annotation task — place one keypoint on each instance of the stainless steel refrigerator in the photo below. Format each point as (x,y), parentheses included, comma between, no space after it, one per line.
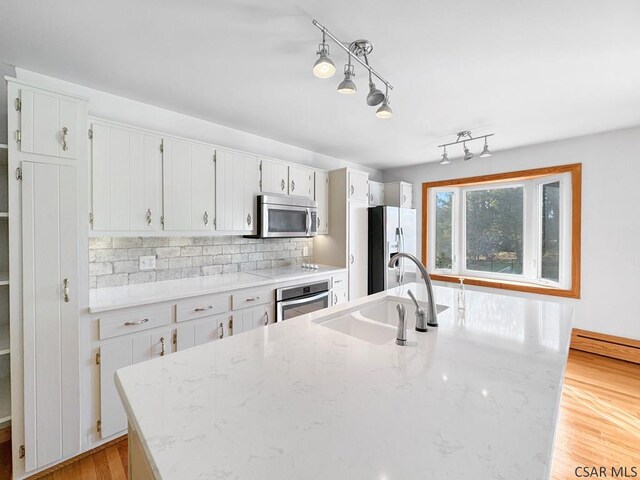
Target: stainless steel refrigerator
(391,230)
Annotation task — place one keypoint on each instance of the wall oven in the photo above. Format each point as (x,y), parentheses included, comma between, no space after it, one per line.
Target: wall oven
(284,216)
(298,300)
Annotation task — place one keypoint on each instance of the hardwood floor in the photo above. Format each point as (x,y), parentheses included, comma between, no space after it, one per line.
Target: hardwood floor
(599,425)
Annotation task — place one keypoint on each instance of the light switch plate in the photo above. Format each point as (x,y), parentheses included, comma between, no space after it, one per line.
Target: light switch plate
(148,262)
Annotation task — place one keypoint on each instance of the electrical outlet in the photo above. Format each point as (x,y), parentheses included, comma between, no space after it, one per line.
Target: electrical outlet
(305,251)
(148,262)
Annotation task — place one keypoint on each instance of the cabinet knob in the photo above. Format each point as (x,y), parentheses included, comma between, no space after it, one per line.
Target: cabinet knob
(65,134)
(293,185)
(249,219)
(282,184)
(404,199)
(352,189)
(353,259)
(221,329)
(335,298)
(318,221)
(203,309)
(371,197)
(148,216)
(65,283)
(205,218)
(266,317)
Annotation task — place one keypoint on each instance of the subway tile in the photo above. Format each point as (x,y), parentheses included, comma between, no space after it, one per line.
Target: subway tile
(258,256)
(127,242)
(100,242)
(162,263)
(212,250)
(249,248)
(227,249)
(203,241)
(180,241)
(239,258)
(110,255)
(212,270)
(129,266)
(167,252)
(202,260)
(190,251)
(180,262)
(142,277)
(222,240)
(247,266)
(155,242)
(100,268)
(191,272)
(263,264)
(221,259)
(172,274)
(135,253)
(118,280)
(230,268)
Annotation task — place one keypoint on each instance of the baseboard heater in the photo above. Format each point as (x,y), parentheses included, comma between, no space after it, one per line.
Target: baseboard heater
(606,345)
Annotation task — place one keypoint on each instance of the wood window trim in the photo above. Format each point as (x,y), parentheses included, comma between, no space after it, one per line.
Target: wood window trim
(575,169)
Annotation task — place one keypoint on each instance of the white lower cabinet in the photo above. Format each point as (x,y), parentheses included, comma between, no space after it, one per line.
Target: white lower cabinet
(128,350)
(204,330)
(339,296)
(254,317)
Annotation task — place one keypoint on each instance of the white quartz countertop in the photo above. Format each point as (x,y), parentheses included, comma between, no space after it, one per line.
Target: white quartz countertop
(476,397)
(113,298)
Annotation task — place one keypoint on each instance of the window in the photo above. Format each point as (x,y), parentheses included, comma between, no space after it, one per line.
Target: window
(509,230)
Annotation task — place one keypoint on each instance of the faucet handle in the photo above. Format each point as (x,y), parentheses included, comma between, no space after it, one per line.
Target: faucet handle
(401,335)
(421,321)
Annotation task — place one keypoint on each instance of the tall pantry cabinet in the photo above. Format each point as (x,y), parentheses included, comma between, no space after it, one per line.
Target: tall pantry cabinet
(48,218)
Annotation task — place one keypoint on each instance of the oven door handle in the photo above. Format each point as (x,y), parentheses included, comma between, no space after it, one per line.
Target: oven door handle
(313,298)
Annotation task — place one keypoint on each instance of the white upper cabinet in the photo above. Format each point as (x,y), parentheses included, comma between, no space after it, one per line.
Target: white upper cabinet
(399,194)
(50,124)
(358,249)
(376,193)
(189,185)
(301,181)
(322,199)
(275,177)
(358,186)
(126,179)
(237,184)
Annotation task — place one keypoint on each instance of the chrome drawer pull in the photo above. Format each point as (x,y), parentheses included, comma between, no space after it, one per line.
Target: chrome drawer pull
(162,344)
(221,335)
(204,309)
(252,299)
(148,216)
(266,318)
(66,290)
(136,322)
(282,184)
(65,134)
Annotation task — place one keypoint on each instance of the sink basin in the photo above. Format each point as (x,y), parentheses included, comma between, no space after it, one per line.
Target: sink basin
(385,312)
(367,330)
(375,323)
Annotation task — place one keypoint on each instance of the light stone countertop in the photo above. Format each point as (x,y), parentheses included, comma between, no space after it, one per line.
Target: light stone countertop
(475,398)
(113,298)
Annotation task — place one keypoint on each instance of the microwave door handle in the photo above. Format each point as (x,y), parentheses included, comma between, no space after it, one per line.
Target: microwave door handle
(308,221)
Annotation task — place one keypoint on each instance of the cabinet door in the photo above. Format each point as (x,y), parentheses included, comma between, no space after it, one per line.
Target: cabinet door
(359,186)
(339,296)
(49,123)
(201,331)
(376,193)
(189,184)
(126,179)
(121,353)
(358,249)
(237,184)
(322,198)
(50,318)
(275,177)
(406,195)
(250,318)
(251,189)
(300,181)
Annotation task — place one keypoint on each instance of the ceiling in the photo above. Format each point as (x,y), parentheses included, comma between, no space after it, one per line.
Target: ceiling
(530,71)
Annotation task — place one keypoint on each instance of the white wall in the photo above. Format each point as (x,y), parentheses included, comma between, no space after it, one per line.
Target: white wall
(132,112)
(610,217)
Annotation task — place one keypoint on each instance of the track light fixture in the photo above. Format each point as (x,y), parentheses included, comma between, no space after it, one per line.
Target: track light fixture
(347,87)
(324,67)
(445,158)
(464,137)
(359,51)
(385,110)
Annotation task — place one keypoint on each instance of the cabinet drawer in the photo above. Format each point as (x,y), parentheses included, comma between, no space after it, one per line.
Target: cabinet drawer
(339,296)
(340,280)
(132,322)
(201,307)
(250,298)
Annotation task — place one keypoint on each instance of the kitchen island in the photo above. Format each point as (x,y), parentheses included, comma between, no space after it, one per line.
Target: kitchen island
(476,397)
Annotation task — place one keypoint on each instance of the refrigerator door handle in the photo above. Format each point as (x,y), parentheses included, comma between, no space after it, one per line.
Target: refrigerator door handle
(401,249)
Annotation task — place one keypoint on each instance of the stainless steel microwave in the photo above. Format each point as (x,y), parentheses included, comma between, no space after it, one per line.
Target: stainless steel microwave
(286,216)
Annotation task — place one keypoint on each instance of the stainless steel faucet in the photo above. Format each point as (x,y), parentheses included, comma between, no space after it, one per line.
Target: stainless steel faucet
(432,313)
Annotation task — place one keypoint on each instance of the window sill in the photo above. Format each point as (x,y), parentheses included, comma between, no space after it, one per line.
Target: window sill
(574,292)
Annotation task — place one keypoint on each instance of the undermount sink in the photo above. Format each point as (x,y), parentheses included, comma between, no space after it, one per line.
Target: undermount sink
(375,323)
